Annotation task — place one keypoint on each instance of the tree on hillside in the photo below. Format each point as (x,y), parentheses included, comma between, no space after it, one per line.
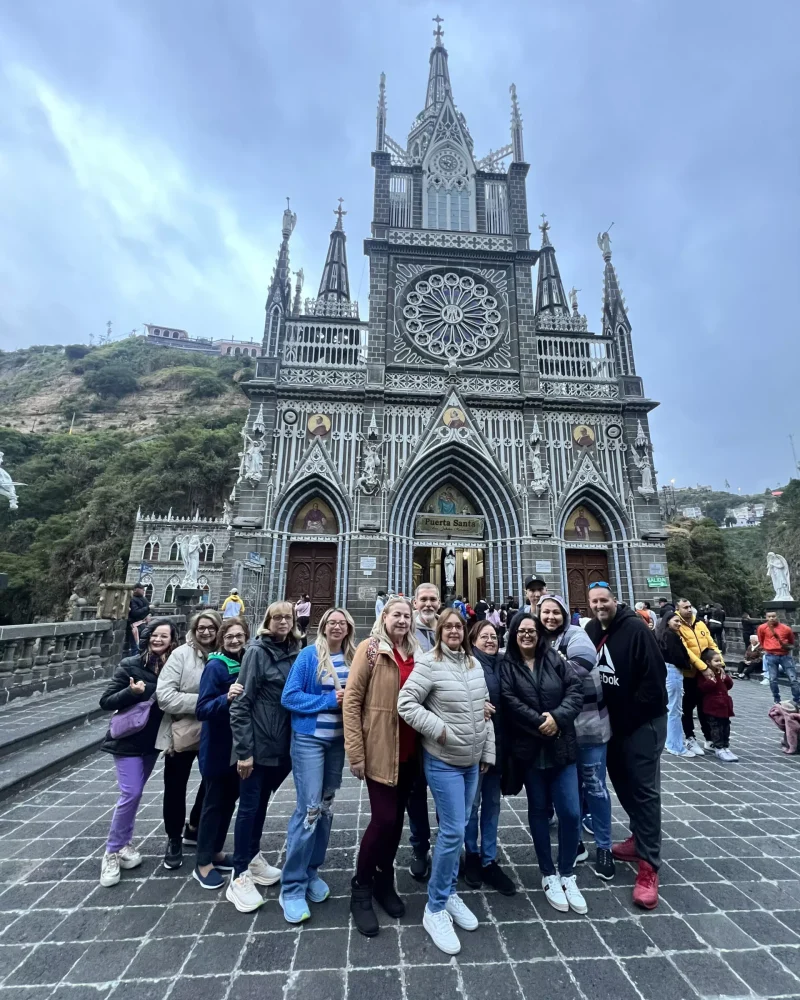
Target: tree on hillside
(702,569)
(111,382)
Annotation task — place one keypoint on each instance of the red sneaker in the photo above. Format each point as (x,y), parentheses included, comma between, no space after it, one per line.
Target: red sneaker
(626,851)
(645,889)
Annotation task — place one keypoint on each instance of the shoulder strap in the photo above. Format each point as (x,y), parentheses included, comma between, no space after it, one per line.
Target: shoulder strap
(372,653)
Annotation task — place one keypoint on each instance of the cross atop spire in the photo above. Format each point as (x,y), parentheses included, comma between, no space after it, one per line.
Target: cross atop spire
(438,33)
(339,212)
(544,227)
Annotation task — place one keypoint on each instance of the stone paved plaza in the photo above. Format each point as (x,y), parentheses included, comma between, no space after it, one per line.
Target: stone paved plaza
(728,923)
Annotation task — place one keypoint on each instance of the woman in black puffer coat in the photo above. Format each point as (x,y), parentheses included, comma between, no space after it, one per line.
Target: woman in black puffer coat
(135,755)
(541,698)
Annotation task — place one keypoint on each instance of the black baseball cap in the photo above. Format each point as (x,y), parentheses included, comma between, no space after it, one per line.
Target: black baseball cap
(534,583)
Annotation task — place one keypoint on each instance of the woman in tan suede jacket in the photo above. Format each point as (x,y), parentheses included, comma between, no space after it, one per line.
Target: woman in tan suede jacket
(382,749)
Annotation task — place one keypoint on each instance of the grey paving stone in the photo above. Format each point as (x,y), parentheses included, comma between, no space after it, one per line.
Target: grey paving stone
(488,982)
(762,973)
(431,983)
(718,930)
(656,979)
(764,928)
(603,978)
(709,974)
(374,984)
(257,987)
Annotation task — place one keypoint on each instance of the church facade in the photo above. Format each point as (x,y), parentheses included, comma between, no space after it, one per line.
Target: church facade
(472,430)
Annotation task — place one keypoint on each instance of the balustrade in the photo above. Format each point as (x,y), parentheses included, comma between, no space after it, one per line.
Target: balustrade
(325,345)
(586,357)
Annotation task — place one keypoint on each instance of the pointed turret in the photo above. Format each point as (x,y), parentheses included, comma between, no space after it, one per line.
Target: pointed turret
(335,285)
(615,316)
(439,73)
(380,138)
(279,297)
(550,298)
(518,153)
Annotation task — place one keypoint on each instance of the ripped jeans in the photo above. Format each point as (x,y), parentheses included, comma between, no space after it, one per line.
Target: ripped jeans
(317,766)
(594,793)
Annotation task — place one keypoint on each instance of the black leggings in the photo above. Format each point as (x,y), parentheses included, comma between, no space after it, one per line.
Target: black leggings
(177,768)
(222,791)
(693,698)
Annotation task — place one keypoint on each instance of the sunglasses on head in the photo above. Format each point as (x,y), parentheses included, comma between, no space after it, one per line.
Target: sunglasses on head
(600,583)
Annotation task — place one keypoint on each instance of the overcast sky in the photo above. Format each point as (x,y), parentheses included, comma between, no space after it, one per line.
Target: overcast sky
(146,149)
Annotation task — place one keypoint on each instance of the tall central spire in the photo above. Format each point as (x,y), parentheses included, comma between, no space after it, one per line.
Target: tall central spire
(439,74)
(335,284)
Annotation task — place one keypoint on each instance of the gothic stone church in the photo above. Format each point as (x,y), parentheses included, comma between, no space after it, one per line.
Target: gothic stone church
(473,413)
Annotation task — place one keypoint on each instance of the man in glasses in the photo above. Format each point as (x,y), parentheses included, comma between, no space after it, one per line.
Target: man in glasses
(634,676)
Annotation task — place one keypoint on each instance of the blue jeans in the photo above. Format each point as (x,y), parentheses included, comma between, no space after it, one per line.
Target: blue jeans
(675,739)
(558,785)
(487,801)
(592,783)
(254,793)
(453,791)
(772,664)
(317,769)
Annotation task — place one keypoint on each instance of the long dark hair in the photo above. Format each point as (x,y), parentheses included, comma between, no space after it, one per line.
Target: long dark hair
(150,659)
(512,645)
(670,642)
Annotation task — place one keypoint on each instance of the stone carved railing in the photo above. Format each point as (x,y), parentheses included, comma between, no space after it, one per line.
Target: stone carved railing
(55,655)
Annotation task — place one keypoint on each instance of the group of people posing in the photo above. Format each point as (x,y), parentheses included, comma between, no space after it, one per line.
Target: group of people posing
(426,702)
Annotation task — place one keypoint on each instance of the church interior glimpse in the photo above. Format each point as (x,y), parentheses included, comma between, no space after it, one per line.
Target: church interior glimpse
(469,575)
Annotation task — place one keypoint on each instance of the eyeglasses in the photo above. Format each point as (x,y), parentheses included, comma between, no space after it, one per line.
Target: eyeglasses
(337,624)
(600,583)
(235,635)
(206,628)
(281,618)
(527,632)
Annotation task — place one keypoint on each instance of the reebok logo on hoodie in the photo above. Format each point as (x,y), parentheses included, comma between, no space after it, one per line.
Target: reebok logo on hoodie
(605,666)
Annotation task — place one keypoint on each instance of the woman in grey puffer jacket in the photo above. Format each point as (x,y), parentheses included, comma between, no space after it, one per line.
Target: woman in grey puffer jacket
(592,726)
(444,700)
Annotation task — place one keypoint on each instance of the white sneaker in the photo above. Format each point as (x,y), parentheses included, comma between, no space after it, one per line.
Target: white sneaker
(694,746)
(109,870)
(765,682)
(727,755)
(462,915)
(129,857)
(681,753)
(573,894)
(708,745)
(263,873)
(243,894)
(440,928)
(554,893)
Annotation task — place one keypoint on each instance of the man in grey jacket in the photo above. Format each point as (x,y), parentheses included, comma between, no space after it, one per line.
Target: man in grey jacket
(427,602)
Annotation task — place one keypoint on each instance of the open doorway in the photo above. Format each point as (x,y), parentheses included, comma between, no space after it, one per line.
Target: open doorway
(469,573)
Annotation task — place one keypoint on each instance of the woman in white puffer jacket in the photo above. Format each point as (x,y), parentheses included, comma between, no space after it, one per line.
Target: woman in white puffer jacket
(444,700)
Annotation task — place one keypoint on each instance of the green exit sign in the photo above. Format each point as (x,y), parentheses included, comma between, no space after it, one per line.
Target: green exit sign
(656,582)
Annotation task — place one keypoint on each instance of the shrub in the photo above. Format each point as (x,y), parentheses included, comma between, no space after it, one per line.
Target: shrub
(76,351)
(112,381)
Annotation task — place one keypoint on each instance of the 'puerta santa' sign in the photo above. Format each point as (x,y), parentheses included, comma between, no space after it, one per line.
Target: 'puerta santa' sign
(436,525)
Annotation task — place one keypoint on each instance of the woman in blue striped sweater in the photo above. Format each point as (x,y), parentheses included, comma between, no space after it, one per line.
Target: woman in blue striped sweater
(313,694)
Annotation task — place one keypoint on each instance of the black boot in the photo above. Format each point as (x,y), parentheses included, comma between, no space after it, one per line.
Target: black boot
(384,891)
(361,907)
(473,873)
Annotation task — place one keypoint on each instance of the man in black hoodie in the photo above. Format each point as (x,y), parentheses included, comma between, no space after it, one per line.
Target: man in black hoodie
(634,677)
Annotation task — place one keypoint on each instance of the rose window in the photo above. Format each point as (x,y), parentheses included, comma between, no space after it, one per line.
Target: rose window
(451,316)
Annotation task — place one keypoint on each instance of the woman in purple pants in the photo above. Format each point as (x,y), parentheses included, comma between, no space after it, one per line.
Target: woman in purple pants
(134,681)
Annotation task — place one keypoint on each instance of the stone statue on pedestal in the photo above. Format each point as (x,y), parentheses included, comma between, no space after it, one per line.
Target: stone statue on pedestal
(778,572)
(190,554)
(8,487)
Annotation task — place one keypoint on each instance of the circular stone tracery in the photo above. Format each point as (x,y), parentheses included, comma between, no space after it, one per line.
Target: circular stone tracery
(451,316)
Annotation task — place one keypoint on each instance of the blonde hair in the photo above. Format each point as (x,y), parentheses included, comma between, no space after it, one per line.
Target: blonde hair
(324,664)
(466,645)
(410,643)
(272,610)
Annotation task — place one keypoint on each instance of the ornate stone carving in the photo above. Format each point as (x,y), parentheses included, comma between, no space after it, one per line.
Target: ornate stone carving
(488,386)
(190,554)
(369,481)
(451,316)
(540,482)
(323,376)
(585,390)
(561,322)
(450,240)
(411,381)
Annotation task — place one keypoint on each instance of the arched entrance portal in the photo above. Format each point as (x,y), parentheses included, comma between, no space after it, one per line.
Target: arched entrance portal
(585,564)
(312,562)
(448,514)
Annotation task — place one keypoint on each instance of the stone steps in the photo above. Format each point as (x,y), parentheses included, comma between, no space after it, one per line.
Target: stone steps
(41,735)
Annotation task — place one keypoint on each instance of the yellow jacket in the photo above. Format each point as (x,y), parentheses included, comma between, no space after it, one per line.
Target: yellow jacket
(696,637)
(232,599)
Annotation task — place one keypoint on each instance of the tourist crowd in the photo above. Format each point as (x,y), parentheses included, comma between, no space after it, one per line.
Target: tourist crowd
(428,701)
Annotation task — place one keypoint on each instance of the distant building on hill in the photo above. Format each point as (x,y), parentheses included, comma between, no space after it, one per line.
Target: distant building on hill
(169,336)
(694,512)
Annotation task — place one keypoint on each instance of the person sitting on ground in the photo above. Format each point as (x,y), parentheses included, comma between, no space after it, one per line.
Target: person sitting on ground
(444,700)
(541,698)
(261,739)
(219,685)
(179,733)
(753,658)
(314,693)
(134,751)
(714,685)
(233,605)
(382,749)
(481,867)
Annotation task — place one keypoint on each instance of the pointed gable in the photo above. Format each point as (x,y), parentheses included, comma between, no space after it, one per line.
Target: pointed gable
(453,423)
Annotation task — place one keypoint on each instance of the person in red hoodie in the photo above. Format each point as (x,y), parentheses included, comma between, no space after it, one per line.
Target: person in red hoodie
(714,685)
